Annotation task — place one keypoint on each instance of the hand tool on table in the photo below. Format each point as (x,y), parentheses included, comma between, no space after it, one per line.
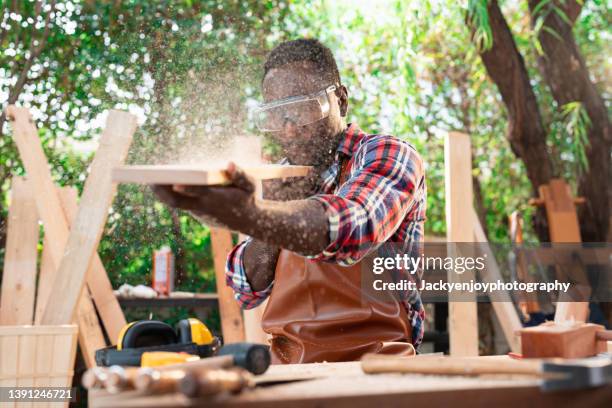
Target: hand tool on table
(254,358)
(555,374)
(211,382)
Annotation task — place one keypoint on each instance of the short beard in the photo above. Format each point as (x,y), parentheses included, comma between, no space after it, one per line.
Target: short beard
(326,152)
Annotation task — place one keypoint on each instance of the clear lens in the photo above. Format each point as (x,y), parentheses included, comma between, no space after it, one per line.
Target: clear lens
(301,111)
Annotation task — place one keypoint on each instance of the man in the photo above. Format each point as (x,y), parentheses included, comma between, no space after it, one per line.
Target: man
(306,253)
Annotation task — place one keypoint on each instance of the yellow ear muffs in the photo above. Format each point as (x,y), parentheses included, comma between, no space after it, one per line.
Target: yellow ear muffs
(194,331)
(146,333)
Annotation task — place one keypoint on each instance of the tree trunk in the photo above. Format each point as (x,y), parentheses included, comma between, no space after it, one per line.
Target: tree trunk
(567,76)
(526,133)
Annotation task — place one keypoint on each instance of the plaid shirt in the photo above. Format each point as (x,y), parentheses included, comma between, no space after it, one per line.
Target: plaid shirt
(382,199)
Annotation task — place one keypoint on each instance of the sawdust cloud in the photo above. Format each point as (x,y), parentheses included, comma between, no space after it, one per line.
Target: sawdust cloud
(202,119)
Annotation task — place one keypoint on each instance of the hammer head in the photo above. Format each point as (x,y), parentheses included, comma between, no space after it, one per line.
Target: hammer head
(251,356)
(577,374)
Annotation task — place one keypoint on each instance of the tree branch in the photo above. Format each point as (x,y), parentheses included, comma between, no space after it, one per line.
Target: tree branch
(526,133)
(567,76)
(506,67)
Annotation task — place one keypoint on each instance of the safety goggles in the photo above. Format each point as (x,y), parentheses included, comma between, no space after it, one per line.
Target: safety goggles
(300,110)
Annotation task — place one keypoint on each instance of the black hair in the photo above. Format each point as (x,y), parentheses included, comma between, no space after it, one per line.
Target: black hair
(305,49)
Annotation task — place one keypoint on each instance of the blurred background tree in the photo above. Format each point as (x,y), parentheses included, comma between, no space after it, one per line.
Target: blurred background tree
(415,69)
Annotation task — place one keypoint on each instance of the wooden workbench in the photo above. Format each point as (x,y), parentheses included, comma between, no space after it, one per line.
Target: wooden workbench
(344,385)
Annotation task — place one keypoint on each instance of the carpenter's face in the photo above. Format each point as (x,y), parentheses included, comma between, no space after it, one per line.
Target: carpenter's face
(305,144)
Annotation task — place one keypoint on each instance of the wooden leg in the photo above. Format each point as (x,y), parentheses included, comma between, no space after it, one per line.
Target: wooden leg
(232,324)
(462,316)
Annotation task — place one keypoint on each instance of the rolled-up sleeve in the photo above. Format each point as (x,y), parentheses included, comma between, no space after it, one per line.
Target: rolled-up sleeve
(236,278)
(371,204)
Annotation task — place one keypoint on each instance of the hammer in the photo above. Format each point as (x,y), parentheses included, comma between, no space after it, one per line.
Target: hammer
(555,374)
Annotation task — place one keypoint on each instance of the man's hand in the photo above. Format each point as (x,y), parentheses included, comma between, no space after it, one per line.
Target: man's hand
(219,204)
(298,225)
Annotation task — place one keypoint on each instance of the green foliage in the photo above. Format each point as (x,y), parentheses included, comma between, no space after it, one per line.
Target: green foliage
(571,130)
(540,13)
(189,68)
(479,19)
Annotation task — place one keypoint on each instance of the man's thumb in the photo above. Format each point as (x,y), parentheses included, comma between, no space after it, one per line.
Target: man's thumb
(239,178)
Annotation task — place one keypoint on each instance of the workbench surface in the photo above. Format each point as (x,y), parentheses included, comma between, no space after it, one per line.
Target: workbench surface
(345,385)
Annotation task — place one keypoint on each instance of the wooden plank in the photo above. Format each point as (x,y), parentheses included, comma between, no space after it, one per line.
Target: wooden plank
(26,363)
(46,274)
(62,360)
(19,275)
(232,324)
(8,362)
(98,193)
(529,304)
(44,351)
(50,211)
(98,284)
(47,267)
(90,336)
(500,300)
(564,228)
(198,175)
(462,316)
(253,332)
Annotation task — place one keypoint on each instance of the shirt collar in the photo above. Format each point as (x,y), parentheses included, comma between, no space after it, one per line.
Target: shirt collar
(352,137)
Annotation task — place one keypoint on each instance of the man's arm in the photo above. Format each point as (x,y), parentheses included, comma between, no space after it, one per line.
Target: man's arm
(260,263)
(299,225)
(247,294)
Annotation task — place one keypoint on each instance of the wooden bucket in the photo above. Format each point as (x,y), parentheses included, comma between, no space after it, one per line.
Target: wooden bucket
(37,356)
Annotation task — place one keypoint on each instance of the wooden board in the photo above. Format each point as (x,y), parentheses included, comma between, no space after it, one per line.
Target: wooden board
(232,325)
(98,193)
(500,300)
(462,316)
(46,274)
(98,284)
(564,228)
(19,274)
(37,356)
(90,335)
(198,175)
(529,304)
(50,210)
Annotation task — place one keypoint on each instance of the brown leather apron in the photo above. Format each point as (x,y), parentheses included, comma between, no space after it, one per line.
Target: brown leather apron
(317,312)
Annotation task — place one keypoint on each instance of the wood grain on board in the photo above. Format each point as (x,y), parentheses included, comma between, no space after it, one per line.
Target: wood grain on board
(200,175)
(462,315)
(19,276)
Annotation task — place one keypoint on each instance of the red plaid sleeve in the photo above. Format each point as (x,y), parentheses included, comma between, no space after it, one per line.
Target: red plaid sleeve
(371,204)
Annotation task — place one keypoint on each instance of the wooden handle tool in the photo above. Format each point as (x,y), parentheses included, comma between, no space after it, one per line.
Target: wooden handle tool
(152,381)
(211,382)
(372,364)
